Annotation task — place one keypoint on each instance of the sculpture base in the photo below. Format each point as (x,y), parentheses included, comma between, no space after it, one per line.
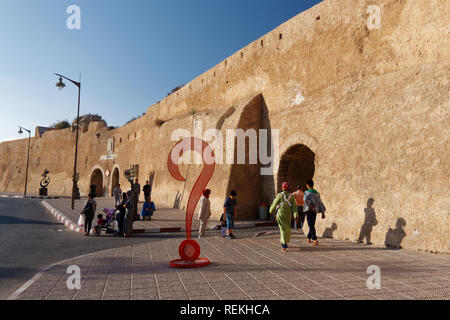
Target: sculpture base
(43,192)
(199,263)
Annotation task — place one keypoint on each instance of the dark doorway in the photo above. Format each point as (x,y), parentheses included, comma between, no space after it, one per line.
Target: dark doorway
(97,181)
(115,180)
(296,166)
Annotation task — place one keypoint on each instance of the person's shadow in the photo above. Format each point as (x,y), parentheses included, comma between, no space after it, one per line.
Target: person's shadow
(328,233)
(370,221)
(177,201)
(394,237)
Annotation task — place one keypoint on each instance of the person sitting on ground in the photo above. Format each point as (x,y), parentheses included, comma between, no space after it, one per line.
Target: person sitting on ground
(313,205)
(148,209)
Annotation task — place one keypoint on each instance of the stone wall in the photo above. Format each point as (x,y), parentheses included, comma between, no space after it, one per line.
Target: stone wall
(370,107)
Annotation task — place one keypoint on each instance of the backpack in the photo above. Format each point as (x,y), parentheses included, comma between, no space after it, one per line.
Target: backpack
(285,200)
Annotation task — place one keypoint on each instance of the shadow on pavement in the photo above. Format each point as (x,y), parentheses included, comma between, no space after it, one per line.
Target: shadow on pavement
(14,220)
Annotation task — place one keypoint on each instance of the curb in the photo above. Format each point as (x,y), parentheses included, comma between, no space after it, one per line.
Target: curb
(29,197)
(216,227)
(75,228)
(60,217)
(16,294)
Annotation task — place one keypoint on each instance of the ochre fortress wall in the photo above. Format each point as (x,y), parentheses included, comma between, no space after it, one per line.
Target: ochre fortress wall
(363,111)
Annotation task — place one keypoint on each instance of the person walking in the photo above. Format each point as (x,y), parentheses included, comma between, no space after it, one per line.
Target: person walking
(89,211)
(298,196)
(117,196)
(284,206)
(204,213)
(229,210)
(313,205)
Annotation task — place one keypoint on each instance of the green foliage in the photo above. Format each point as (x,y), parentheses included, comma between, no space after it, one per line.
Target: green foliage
(175,90)
(59,125)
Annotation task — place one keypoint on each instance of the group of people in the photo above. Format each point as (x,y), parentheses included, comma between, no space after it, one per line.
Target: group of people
(298,205)
(288,207)
(227,218)
(123,205)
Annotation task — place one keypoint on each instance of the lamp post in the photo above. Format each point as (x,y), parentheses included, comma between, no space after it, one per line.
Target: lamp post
(28,157)
(60,85)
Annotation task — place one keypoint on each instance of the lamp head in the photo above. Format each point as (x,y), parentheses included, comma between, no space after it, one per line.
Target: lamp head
(20,131)
(60,85)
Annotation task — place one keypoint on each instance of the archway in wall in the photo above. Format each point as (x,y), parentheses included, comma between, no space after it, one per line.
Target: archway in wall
(97,181)
(115,179)
(296,166)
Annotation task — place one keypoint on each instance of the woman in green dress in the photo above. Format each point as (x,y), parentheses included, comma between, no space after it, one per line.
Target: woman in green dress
(284,206)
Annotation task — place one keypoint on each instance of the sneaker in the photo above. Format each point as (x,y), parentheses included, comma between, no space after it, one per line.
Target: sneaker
(232,236)
(229,238)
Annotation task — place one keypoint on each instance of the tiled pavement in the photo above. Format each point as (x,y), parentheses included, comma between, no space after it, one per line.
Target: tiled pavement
(250,269)
(163,218)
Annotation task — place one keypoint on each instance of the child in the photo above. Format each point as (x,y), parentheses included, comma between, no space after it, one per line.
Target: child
(223,221)
(100,223)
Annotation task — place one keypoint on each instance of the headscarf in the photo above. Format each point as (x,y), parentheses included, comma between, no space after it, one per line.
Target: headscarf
(286,187)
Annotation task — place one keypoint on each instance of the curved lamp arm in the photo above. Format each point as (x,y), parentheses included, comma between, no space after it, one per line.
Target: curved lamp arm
(78,84)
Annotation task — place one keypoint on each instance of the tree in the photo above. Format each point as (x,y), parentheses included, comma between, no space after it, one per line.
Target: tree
(60,125)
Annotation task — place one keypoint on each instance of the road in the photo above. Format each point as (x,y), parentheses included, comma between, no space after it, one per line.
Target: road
(31,239)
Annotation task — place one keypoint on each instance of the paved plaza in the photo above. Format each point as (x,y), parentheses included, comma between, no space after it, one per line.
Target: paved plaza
(164,219)
(251,268)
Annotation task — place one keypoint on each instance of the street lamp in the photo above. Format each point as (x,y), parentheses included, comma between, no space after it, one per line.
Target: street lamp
(60,85)
(28,157)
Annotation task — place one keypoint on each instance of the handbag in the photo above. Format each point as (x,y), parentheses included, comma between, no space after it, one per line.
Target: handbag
(81,221)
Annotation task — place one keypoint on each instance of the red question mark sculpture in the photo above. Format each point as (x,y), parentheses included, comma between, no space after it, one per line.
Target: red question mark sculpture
(189,249)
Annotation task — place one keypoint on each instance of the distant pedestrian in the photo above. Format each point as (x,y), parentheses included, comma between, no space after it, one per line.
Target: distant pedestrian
(204,213)
(298,196)
(129,215)
(229,210)
(121,215)
(147,189)
(284,206)
(313,205)
(117,196)
(89,211)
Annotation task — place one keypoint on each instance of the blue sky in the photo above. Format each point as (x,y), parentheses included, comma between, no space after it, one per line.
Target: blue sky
(130,53)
